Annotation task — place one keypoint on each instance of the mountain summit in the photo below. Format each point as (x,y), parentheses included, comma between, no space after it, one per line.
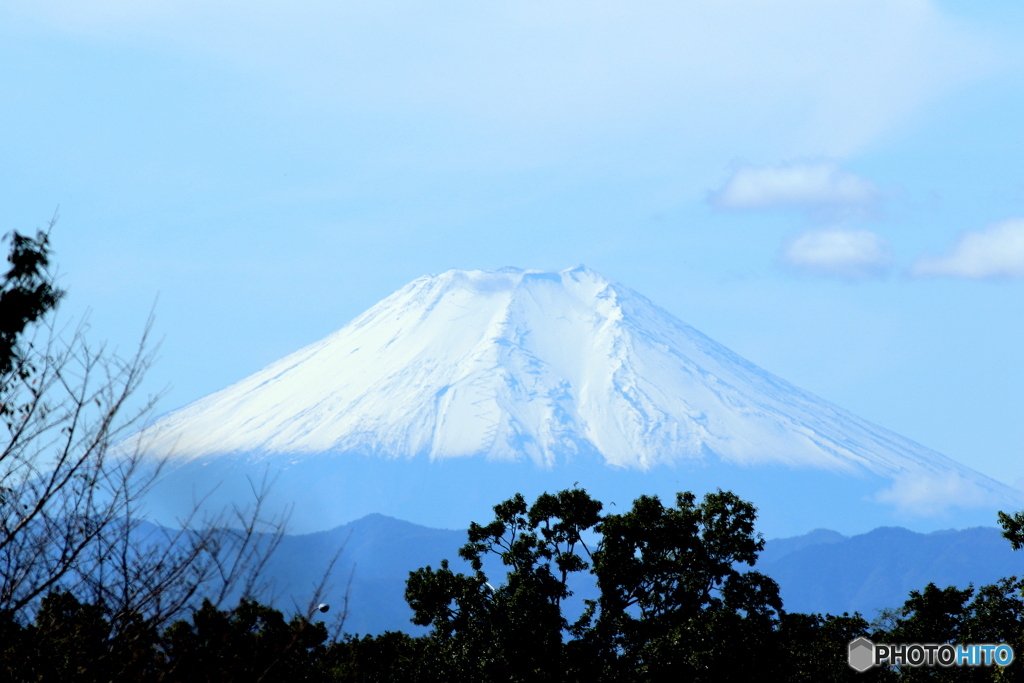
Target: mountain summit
(549,371)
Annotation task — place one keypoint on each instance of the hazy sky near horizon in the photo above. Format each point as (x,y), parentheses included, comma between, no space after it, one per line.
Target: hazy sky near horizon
(833,189)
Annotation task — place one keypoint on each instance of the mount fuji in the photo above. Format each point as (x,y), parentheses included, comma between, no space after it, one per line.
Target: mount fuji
(463,388)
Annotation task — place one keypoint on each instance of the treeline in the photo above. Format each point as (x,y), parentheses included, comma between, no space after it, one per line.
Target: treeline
(679,600)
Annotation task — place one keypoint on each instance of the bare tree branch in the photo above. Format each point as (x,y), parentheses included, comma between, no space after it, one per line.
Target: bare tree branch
(72,482)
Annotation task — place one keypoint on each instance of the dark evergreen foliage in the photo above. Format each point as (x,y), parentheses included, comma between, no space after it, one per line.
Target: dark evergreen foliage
(675,605)
(26,294)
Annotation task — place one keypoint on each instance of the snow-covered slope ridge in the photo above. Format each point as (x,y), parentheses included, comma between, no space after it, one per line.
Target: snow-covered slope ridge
(520,364)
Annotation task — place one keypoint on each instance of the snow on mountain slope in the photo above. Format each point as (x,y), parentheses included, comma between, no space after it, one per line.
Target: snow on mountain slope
(550,367)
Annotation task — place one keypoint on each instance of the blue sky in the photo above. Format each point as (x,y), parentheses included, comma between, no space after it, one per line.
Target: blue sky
(835,190)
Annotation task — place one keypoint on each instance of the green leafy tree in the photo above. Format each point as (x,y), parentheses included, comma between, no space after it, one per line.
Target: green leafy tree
(990,614)
(513,632)
(391,656)
(27,293)
(252,642)
(1013,528)
(814,648)
(997,614)
(673,601)
(933,615)
(73,641)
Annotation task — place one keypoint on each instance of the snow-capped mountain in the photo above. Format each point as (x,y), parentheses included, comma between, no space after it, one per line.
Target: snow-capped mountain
(566,374)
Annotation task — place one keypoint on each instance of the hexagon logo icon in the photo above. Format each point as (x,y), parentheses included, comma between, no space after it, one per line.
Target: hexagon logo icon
(862,654)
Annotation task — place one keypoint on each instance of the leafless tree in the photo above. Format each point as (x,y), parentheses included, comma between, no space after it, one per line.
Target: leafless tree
(63,487)
(139,568)
(72,483)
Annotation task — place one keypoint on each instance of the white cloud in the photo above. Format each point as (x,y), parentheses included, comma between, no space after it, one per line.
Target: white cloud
(997,251)
(927,494)
(807,185)
(835,251)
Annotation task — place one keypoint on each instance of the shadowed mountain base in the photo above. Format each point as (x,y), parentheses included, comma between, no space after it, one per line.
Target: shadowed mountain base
(329,490)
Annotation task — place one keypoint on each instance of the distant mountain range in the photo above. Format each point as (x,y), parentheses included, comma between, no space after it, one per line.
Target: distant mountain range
(822,571)
(463,388)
